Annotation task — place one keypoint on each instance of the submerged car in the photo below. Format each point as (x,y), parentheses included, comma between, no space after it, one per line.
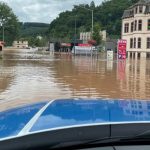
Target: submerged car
(96,124)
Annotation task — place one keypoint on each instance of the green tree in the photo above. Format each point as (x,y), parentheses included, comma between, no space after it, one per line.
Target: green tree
(92,5)
(33,29)
(35,41)
(96,34)
(108,14)
(9,23)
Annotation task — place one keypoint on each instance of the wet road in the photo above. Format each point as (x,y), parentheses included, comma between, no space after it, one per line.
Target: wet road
(27,77)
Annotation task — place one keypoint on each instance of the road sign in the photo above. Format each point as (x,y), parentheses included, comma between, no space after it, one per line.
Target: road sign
(110,55)
(122,46)
(51,46)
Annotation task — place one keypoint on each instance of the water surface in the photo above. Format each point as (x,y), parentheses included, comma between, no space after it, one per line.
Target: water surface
(28,76)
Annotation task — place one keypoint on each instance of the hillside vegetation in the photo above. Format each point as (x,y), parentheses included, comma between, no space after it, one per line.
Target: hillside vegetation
(35,33)
(108,15)
(33,29)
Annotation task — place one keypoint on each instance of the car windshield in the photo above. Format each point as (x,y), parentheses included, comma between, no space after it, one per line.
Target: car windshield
(73,50)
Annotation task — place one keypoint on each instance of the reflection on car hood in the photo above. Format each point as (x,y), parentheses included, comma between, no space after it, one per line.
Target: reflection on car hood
(66,113)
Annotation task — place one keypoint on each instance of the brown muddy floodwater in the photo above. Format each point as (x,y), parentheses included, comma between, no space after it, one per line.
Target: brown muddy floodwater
(28,76)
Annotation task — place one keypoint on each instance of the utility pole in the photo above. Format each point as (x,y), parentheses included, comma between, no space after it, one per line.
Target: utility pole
(3,33)
(75,34)
(92,11)
(2,21)
(92,22)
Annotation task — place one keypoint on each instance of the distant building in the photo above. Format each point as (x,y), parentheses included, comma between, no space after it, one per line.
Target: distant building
(136,29)
(136,108)
(20,44)
(86,36)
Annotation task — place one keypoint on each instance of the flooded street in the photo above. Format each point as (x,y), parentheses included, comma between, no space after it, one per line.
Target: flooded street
(27,77)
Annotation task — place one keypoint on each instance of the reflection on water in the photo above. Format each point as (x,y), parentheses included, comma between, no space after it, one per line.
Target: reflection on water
(30,76)
(63,113)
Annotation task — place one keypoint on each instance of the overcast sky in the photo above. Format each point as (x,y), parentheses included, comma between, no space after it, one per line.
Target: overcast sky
(43,10)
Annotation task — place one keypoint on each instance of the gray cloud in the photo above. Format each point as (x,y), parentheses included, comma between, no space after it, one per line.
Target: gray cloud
(42,10)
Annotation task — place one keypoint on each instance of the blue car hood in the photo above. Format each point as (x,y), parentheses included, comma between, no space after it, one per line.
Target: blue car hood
(67,113)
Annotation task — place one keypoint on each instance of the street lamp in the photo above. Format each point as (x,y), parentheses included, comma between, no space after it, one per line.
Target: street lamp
(92,11)
(3,33)
(75,33)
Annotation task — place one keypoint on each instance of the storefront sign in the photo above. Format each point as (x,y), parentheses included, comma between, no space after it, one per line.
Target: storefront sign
(122,46)
(85,45)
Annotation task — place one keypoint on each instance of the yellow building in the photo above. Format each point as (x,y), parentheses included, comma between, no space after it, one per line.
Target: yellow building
(136,29)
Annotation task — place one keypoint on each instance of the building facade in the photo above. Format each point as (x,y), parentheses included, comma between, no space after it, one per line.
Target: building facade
(86,36)
(136,29)
(20,44)
(1,45)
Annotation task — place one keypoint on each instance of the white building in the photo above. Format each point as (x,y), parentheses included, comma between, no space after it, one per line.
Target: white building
(86,36)
(136,108)
(136,29)
(20,44)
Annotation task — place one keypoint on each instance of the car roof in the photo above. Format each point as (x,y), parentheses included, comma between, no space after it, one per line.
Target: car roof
(67,113)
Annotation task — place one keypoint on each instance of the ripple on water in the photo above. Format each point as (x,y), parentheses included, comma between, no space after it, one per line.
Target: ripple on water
(25,80)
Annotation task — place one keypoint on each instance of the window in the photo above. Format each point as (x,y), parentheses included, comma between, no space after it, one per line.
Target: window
(140,25)
(140,106)
(132,26)
(148,25)
(134,42)
(140,9)
(126,28)
(140,113)
(131,43)
(136,10)
(131,13)
(148,42)
(135,25)
(139,42)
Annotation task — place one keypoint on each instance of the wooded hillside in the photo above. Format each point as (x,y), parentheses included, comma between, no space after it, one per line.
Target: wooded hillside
(108,15)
